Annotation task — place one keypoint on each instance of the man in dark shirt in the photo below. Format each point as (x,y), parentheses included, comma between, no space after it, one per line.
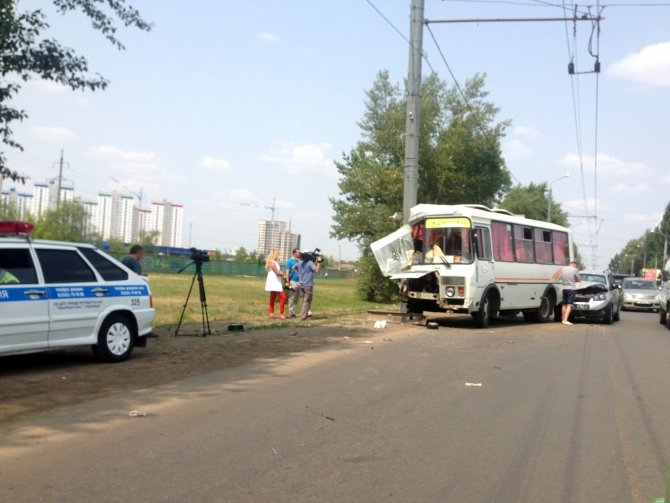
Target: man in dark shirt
(132,260)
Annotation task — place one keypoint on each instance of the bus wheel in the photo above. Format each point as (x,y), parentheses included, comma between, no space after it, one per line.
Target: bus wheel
(483,317)
(545,310)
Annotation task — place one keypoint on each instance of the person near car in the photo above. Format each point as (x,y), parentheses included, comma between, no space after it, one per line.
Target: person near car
(273,283)
(306,270)
(7,277)
(292,281)
(132,260)
(570,276)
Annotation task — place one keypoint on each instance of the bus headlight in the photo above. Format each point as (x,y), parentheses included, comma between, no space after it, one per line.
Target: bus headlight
(450,291)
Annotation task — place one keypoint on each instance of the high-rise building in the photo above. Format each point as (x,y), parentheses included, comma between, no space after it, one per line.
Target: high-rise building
(272,234)
(20,201)
(166,218)
(114,215)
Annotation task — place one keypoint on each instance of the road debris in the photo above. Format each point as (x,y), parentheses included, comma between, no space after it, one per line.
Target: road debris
(319,413)
(136,413)
(475,384)
(380,324)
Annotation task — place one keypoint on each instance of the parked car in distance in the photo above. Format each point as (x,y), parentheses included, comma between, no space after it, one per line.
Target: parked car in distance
(619,277)
(55,295)
(597,297)
(640,294)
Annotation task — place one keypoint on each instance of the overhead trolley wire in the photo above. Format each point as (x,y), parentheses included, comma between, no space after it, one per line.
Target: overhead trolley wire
(444,60)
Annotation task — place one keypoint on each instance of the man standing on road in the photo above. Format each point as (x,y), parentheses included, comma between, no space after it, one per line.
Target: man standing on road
(306,270)
(570,276)
(292,281)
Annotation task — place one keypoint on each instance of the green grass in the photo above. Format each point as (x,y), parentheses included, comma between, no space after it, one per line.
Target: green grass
(243,299)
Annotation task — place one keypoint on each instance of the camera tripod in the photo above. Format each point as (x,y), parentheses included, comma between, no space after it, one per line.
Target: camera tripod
(203,299)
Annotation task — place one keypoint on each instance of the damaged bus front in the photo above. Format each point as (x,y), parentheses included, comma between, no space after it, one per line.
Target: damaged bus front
(474,260)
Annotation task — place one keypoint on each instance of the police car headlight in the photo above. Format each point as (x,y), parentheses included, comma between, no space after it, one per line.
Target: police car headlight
(451,291)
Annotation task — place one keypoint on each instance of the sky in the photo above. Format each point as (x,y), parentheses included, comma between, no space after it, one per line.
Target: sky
(238,110)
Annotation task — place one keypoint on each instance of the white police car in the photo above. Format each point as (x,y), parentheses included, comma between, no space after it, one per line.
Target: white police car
(55,295)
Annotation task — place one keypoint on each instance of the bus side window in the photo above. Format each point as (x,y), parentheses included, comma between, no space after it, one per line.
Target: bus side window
(482,241)
(560,247)
(523,244)
(542,246)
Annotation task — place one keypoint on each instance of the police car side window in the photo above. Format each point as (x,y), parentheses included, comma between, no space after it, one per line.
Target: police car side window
(19,262)
(107,269)
(64,266)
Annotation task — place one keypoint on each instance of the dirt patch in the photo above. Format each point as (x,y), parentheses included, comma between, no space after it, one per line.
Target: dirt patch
(39,382)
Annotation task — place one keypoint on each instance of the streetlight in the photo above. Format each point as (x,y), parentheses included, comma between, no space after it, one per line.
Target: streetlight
(567,175)
(665,244)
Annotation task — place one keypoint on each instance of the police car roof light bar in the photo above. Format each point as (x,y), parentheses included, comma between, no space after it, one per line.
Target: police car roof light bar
(16,228)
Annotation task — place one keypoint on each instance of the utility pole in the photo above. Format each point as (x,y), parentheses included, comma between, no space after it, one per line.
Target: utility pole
(60,180)
(412,122)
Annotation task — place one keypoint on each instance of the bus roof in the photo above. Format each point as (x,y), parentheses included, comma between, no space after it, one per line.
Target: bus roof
(476,211)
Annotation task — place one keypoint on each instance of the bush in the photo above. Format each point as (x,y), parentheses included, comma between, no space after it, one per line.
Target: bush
(372,285)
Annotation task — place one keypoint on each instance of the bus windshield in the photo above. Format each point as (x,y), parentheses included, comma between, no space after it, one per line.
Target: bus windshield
(447,239)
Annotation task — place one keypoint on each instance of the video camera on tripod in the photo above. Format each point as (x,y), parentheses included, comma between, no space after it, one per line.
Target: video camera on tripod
(198,257)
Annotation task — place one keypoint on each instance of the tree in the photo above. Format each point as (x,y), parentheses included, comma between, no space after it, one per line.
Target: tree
(459,157)
(649,251)
(148,240)
(25,55)
(67,223)
(531,201)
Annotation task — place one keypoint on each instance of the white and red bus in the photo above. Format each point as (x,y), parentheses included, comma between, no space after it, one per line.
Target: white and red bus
(476,260)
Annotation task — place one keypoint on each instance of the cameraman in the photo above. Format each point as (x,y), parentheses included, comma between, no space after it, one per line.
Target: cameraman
(292,280)
(306,270)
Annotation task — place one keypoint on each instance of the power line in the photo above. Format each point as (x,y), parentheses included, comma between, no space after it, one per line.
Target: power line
(397,30)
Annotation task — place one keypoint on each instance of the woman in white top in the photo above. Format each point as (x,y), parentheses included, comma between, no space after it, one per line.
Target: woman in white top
(273,283)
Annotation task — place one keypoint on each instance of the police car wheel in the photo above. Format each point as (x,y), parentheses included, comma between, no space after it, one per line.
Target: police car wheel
(115,339)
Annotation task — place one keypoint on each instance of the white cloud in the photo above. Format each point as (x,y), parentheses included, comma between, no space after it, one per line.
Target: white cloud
(268,38)
(526,132)
(607,165)
(650,66)
(517,148)
(624,188)
(648,220)
(514,150)
(242,195)
(215,164)
(52,134)
(297,158)
(111,153)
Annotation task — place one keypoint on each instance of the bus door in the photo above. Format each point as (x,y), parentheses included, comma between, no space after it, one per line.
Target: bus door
(485,267)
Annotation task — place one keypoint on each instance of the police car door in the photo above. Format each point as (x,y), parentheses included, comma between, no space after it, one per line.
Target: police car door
(24,308)
(76,299)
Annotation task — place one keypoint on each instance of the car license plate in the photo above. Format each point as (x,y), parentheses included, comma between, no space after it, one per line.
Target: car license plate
(581,307)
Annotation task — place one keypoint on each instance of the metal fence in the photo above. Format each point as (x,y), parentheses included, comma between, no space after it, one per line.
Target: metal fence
(173,264)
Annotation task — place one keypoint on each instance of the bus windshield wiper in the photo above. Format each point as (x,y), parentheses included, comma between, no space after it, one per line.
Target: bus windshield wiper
(445,261)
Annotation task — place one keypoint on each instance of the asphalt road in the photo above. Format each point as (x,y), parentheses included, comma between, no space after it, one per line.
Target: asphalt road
(563,414)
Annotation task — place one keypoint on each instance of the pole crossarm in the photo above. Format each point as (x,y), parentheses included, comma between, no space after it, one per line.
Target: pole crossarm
(514,19)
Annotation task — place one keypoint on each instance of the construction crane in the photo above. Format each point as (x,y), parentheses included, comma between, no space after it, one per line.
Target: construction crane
(272,208)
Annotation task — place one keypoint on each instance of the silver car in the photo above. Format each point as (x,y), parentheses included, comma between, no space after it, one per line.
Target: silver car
(640,294)
(597,297)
